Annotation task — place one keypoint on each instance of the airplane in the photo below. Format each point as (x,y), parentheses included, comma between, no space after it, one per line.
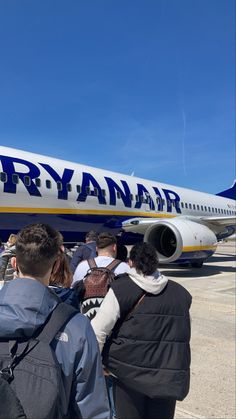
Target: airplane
(183,225)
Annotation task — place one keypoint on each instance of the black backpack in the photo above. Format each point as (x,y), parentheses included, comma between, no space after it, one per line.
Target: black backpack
(95,286)
(31,384)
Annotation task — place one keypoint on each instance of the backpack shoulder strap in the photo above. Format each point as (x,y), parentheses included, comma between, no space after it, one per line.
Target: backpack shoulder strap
(59,317)
(92,263)
(113,265)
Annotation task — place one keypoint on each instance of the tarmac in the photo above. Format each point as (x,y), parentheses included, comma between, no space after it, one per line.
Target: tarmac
(213,369)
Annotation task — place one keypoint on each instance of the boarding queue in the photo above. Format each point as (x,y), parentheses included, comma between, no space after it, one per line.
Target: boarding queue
(96,334)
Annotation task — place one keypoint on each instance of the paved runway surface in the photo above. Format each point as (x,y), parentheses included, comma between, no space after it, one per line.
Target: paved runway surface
(213,371)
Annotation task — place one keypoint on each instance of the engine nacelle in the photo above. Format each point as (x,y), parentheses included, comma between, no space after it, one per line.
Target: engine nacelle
(181,241)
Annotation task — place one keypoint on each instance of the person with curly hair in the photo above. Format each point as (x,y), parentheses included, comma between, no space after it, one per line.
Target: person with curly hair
(143,331)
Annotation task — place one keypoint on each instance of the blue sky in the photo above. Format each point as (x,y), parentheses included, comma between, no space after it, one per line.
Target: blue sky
(126,85)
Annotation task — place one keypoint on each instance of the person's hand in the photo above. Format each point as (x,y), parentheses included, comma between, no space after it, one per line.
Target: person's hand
(105,372)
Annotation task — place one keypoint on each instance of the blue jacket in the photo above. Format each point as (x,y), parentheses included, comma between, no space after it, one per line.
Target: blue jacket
(24,306)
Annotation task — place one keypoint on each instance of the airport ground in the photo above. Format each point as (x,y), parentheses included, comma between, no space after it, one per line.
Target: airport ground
(213,370)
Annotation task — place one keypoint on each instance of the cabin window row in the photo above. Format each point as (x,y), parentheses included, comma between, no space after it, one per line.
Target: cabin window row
(138,198)
(27,182)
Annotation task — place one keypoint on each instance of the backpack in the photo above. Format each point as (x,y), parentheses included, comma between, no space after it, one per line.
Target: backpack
(31,385)
(95,286)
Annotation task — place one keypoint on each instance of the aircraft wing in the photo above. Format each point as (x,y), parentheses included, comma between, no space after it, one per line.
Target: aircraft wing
(140,225)
(220,221)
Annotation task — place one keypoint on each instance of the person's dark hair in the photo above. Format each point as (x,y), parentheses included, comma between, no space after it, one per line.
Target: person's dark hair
(37,247)
(105,239)
(122,252)
(91,236)
(145,258)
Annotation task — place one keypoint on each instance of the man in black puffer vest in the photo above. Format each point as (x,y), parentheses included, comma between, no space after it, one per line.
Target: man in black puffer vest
(148,350)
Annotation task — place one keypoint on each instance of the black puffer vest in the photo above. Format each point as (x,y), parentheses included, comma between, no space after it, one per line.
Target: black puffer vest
(149,349)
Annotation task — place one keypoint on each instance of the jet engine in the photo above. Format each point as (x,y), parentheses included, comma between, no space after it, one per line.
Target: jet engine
(181,241)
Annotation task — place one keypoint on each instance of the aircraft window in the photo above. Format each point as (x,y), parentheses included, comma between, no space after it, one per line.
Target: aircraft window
(190,206)
(194,206)
(69,187)
(78,188)
(87,189)
(38,182)
(186,205)
(59,186)
(198,208)
(202,207)
(168,202)
(137,198)
(142,199)
(103,192)
(209,209)
(205,208)
(224,211)
(95,191)
(182,204)
(27,180)
(213,209)
(15,178)
(3,177)
(118,195)
(131,197)
(163,202)
(48,184)
(158,199)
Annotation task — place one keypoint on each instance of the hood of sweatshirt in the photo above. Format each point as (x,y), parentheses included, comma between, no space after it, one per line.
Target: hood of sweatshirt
(25,304)
(152,284)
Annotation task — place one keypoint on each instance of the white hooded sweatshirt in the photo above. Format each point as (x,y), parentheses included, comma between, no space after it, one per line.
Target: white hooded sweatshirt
(109,311)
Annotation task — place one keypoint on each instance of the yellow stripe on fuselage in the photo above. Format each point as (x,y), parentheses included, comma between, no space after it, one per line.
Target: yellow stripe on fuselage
(21,210)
